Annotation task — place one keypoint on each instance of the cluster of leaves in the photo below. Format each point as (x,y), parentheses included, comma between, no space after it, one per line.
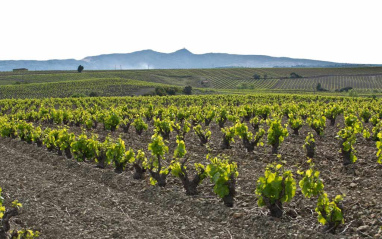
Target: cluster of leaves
(83,148)
(255,123)
(25,131)
(209,115)
(264,111)
(222,173)
(163,127)
(154,164)
(139,125)
(203,134)
(249,140)
(276,187)
(374,120)
(112,121)
(376,130)
(139,162)
(330,213)
(317,123)
(311,184)
(149,112)
(379,147)
(2,208)
(179,152)
(365,114)
(295,123)
(179,169)
(310,145)
(332,112)
(65,139)
(117,154)
(7,128)
(50,138)
(182,129)
(222,117)
(348,136)
(276,133)
(228,136)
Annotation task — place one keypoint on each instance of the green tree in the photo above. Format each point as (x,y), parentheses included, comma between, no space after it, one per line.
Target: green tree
(80,68)
(318,87)
(160,91)
(294,75)
(187,90)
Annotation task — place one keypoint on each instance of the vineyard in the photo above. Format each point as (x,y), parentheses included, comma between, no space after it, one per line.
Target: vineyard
(367,80)
(216,166)
(332,83)
(99,87)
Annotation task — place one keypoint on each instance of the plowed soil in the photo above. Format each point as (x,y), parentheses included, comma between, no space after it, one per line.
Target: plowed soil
(65,199)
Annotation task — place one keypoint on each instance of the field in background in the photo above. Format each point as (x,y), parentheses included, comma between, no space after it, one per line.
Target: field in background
(97,87)
(38,84)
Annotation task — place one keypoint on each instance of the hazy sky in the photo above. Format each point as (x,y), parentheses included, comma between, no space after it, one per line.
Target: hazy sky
(336,30)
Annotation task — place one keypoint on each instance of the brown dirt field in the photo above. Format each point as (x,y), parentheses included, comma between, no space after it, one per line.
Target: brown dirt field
(66,199)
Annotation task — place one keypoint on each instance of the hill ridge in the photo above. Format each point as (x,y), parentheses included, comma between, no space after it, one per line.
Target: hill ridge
(180,59)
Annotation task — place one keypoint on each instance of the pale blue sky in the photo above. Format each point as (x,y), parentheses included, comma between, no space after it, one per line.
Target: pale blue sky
(336,30)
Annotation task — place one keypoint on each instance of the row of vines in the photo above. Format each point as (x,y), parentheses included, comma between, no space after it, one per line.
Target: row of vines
(256,121)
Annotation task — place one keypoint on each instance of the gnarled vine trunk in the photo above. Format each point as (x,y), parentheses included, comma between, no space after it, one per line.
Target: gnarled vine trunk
(119,167)
(101,159)
(139,171)
(203,140)
(68,153)
(5,226)
(229,199)
(276,209)
(39,143)
(207,122)
(139,131)
(221,123)
(255,127)
(310,150)
(225,144)
(165,135)
(126,128)
(250,146)
(247,118)
(160,178)
(332,121)
(275,148)
(346,156)
(330,226)
(190,186)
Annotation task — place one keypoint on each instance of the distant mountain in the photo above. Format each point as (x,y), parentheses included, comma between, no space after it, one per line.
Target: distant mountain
(181,59)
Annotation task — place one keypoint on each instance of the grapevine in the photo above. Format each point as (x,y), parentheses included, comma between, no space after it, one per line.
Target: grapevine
(275,188)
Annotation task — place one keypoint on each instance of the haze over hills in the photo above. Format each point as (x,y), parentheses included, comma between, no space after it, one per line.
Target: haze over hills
(181,59)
